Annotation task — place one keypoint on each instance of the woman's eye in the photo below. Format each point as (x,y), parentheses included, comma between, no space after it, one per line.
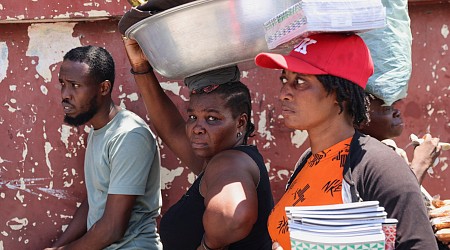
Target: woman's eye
(211,118)
(191,117)
(300,81)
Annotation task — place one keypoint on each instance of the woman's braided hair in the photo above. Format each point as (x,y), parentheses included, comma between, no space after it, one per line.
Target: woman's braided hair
(237,98)
(353,95)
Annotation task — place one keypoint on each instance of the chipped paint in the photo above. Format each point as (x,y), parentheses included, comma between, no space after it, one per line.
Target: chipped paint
(3,60)
(168,175)
(263,128)
(16,223)
(298,137)
(444,31)
(175,88)
(96,13)
(49,53)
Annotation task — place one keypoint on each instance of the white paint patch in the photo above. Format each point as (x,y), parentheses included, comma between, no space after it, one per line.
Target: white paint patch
(133,97)
(191,177)
(44,90)
(173,87)
(48,147)
(96,13)
(12,88)
(49,53)
(283,174)
(62,16)
(167,176)
(65,132)
(4,63)
(262,127)
(20,197)
(17,224)
(299,137)
(444,163)
(444,30)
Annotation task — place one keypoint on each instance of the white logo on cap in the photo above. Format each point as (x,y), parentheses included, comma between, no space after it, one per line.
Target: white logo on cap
(301,47)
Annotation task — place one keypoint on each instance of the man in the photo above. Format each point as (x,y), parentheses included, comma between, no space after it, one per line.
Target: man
(121,162)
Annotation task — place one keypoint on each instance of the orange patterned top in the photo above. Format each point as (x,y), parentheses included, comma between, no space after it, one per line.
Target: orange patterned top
(318,183)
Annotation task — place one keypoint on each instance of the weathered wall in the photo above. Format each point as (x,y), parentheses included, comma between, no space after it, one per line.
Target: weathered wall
(41,159)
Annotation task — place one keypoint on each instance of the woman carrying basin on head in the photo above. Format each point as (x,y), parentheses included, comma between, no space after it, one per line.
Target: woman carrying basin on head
(228,204)
(322,92)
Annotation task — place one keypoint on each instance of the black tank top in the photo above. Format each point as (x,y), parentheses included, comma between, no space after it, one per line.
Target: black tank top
(181,227)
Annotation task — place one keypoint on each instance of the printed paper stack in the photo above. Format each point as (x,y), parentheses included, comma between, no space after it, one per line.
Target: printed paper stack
(312,16)
(342,226)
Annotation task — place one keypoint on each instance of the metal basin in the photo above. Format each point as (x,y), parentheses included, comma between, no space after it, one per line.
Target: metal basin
(206,34)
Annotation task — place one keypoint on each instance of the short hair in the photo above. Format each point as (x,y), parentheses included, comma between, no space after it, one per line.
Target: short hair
(237,98)
(99,60)
(357,103)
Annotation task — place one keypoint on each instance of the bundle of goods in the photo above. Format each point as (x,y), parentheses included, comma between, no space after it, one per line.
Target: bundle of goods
(359,225)
(440,218)
(311,16)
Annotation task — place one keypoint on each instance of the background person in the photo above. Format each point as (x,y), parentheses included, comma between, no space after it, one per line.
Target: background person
(228,204)
(322,92)
(121,160)
(386,123)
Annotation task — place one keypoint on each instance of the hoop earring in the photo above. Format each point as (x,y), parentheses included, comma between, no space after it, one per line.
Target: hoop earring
(239,134)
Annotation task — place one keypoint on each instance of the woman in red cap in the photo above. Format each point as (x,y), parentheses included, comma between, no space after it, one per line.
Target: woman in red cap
(322,92)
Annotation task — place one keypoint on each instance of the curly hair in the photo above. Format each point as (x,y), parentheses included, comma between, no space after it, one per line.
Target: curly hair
(350,94)
(237,98)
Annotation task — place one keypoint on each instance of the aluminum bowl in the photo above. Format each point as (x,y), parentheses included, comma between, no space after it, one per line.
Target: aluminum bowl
(204,35)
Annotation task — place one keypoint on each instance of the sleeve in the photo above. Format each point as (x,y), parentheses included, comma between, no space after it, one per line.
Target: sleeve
(131,156)
(388,179)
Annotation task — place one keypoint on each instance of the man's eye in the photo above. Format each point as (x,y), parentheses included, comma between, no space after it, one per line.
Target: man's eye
(283,80)
(76,85)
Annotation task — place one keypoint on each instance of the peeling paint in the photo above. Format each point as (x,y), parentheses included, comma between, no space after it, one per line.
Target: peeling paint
(48,147)
(444,30)
(262,127)
(16,223)
(96,13)
(3,60)
(298,137)
(168,175)
(49,53)
(175,88)
(65,132)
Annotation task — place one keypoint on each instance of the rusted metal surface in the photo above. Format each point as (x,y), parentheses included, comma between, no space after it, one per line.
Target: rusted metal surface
(41,159)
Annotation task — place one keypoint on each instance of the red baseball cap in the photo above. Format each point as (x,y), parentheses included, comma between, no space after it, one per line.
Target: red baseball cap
(337,54)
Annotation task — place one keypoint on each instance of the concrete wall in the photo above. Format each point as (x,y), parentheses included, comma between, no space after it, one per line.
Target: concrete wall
(41,159)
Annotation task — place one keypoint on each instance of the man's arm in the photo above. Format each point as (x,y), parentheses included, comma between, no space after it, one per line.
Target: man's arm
(110,228)
(77,227)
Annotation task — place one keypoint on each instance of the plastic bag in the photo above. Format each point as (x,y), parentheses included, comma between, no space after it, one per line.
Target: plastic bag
(390,48)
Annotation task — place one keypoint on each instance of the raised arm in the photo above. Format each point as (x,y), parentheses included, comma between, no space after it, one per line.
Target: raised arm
(229,187)
(163,113)
(424,156)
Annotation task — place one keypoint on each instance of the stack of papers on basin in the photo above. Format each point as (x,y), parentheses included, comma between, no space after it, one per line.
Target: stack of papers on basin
(341,226)
(313,16)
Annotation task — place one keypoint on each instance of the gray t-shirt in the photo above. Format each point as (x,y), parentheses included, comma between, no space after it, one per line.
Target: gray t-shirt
(123,158)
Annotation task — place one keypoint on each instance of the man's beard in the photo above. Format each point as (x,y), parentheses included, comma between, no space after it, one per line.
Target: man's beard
(83,117)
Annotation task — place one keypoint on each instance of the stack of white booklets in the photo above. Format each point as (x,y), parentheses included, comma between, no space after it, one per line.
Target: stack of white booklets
(342,226)
(313,16)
